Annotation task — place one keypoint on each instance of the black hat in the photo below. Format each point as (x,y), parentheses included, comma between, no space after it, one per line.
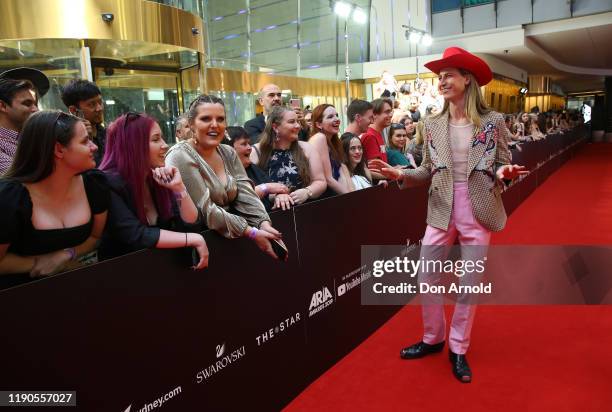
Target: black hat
(38,78)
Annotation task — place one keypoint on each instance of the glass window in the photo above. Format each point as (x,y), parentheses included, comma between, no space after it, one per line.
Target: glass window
(468,3)
(438,6)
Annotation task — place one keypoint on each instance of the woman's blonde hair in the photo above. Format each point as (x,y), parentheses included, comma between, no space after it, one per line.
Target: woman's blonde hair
(418,133)
(475,105)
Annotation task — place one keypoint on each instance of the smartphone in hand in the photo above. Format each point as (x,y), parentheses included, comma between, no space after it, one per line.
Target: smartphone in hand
(295,103)
(279,249)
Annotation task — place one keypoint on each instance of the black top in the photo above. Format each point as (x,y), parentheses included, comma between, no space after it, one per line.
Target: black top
(416,115)
(255,127)
(16,222)
(124,232)
(303,135)
(100,141)
(259,177)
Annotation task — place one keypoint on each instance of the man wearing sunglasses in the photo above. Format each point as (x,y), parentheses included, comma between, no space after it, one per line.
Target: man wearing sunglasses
(269,96)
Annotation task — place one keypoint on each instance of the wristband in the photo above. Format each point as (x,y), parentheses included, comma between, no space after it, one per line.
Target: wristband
(309,192)
(264,188)
(253,233)
(182,195)
(71,252)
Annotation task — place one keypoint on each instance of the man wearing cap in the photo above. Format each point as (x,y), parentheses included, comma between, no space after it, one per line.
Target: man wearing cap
(19,92)
(466,156)
(84,99)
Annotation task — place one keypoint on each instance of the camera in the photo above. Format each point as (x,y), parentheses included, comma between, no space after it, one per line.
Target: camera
(108,17)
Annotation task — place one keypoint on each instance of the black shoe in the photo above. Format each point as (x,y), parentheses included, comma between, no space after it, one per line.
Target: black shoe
(461,369)
(418,350)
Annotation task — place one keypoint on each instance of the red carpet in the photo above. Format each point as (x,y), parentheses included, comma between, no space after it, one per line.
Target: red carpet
(527,358)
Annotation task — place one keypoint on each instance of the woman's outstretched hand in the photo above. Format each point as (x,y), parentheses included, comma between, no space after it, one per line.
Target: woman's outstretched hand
(510,172)
(384,168)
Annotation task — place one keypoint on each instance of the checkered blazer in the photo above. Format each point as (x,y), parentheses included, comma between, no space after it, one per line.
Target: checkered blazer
(488,151)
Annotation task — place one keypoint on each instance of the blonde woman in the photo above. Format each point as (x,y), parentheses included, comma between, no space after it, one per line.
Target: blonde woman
(415,145)
(466,157)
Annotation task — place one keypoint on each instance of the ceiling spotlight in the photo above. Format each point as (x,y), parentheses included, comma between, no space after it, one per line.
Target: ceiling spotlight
(415,37)
(359,16)
(342,9)
(427,40)
(108,17)
(523,90)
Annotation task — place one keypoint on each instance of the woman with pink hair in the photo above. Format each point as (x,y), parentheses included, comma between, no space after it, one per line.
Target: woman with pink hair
(150,206)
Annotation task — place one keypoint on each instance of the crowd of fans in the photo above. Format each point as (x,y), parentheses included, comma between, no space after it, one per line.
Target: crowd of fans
(70,186)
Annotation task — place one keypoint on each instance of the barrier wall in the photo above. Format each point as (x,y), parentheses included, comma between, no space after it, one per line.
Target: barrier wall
(143,331)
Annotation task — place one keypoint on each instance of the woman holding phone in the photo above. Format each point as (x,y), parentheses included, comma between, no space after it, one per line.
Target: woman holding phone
(216,180)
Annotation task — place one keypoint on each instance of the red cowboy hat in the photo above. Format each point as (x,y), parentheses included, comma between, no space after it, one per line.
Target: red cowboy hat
(461,59)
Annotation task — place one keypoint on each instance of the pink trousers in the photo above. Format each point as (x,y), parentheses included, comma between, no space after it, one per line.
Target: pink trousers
(464,225)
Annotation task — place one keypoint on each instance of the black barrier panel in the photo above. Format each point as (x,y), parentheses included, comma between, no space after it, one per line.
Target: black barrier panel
(331,234)
(237,336)
(512,198)
(129,330)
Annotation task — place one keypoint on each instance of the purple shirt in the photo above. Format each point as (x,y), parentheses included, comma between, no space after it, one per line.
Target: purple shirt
(8,148)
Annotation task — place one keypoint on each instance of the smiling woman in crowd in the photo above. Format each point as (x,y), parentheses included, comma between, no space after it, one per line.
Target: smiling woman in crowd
(149,203)
(396,149)
(287,160)
(324,138)
(265,188)
(216,180)
(39,235)
(355,162)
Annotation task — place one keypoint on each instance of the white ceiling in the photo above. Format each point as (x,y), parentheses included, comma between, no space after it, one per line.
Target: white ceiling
(584,45)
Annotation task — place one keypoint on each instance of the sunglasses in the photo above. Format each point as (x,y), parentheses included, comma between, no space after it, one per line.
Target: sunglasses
(62,120)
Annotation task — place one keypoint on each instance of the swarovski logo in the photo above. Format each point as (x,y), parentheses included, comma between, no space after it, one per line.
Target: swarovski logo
(220,350)
(223,360)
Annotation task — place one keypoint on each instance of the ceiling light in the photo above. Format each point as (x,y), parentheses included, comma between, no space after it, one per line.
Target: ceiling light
(342,9)
(415,37)
(359,16)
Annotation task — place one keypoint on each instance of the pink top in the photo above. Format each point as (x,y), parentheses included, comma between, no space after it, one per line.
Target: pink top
(460,139)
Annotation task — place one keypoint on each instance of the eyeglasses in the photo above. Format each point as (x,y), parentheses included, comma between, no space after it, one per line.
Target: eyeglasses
(129,116)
